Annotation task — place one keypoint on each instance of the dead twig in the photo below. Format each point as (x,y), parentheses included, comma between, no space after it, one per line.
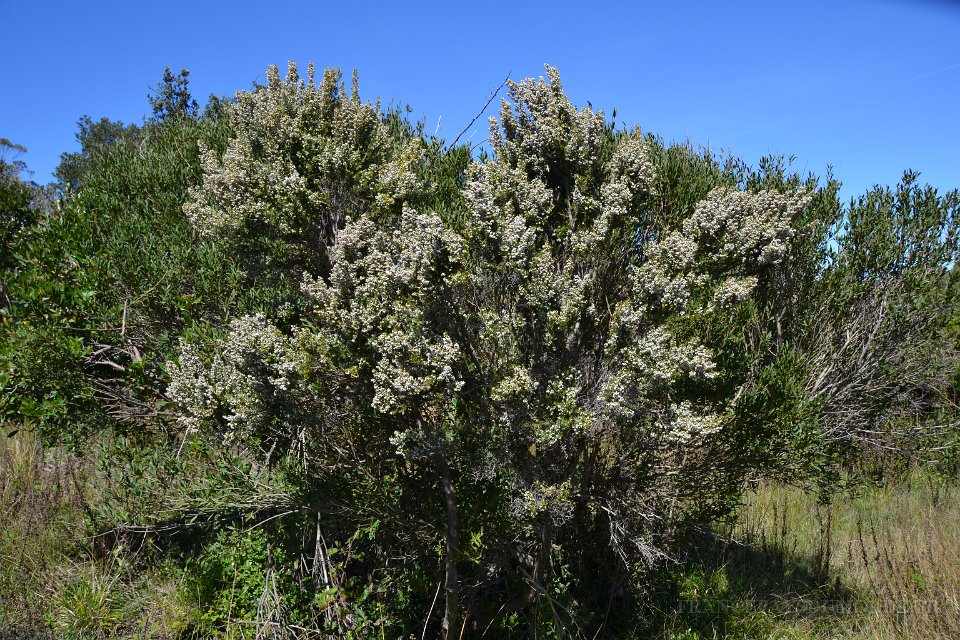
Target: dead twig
(477,117)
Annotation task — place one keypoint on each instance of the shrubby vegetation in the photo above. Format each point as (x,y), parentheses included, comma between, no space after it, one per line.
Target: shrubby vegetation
(342,378)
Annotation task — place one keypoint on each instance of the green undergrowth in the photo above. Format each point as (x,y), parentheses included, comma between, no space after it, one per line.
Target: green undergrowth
(879,562)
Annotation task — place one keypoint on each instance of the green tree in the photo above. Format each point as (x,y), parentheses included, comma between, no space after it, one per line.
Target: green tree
(171,100)
(873,328)
(16,196)
(98,290)
(96,139)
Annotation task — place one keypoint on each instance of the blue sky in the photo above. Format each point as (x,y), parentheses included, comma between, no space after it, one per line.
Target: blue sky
(871,87)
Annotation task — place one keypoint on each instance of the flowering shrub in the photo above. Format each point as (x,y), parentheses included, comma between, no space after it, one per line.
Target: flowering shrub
(538,357)
(373,363)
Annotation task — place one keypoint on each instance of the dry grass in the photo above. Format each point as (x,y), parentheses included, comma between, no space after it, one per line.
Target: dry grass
(41,510)
(54,581)
(887,559)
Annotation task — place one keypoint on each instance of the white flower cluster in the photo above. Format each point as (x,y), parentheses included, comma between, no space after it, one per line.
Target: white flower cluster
(732,291)
(719,249)
(541,127)
(382,290)
(411,367)
(257,367)
(566,419)
(516,386)
(192,390)
(730,235)
(648,368)
(547,230)
(750,228)
(686,424)
(541,499)
(301,157)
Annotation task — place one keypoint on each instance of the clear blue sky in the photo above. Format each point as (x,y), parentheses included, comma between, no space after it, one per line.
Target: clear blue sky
(871,87)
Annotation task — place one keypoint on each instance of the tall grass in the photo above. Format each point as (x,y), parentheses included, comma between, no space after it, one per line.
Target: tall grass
(894,550)
(879,563)
(41,509)
(56,581)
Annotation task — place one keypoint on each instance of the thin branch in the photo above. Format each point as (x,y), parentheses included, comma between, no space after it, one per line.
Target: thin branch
(476,117)
(430,613)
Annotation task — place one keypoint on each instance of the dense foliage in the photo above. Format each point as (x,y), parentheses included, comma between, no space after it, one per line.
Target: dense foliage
(16,197)
(299,327)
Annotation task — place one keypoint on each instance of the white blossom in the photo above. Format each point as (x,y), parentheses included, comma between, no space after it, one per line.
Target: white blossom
(301,158)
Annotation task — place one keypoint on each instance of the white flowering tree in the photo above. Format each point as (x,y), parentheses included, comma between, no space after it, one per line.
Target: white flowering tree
(550,380)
